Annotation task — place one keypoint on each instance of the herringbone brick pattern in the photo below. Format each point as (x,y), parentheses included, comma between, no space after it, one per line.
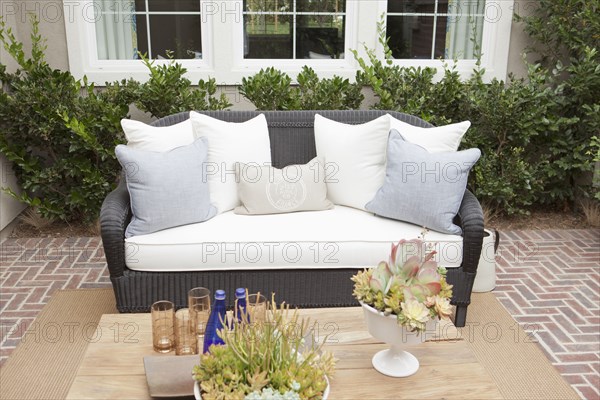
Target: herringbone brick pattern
(549,281)
(32,269)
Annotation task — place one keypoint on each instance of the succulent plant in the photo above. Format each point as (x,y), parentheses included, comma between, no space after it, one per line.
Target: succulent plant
(262,358)
(410,285)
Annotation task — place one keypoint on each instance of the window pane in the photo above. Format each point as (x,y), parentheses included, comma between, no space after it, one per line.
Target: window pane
(458,28)
(174,5)
(268,5)
(179,34)
(140,5)
(410,37)
(464,29)
(116,29)
(320,6)
(274,35)
(320,36)
(268,36)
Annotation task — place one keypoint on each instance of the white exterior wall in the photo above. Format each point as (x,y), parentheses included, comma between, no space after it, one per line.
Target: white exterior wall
(9,207)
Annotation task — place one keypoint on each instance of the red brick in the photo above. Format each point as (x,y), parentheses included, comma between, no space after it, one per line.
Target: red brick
(554,296)
(547,303)
(578,357)
(574,368)
(540,311)
(575,379)
(586,338)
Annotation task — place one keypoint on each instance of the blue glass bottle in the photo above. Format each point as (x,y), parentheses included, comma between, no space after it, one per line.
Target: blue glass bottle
(240,305)
(214,324)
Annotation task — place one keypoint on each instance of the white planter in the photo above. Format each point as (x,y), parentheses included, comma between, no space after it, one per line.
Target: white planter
(395,361)
(485,280)
(198,395)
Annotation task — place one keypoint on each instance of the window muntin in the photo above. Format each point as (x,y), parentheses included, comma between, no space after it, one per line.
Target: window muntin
(157,28)
(294,29)
(433,29)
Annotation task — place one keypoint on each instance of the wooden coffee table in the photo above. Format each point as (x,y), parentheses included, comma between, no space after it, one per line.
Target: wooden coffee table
(113,366)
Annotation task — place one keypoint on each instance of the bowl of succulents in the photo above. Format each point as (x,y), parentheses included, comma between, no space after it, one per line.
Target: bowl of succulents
(403,299)
(274,359)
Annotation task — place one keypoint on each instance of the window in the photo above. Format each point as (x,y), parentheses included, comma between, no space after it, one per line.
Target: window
(433,29)
(157,28)
(294,29)
(232,39)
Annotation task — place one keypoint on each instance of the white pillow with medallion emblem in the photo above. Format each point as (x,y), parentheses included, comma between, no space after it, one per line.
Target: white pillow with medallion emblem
(268,190)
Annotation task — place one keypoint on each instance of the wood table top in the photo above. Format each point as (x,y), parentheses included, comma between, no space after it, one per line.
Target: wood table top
(113,365)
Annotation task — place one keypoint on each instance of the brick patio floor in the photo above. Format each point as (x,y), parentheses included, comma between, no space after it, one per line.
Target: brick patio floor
(549,281)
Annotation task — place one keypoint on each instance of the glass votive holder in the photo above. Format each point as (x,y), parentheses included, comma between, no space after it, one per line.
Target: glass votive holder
(199,306)
(256,306)
(163,335)
(185,333)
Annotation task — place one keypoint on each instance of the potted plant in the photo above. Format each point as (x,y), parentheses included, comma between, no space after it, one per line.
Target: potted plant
(402,299)
(274,359)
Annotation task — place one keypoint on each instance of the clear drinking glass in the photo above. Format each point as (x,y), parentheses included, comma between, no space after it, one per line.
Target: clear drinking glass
(185,333)
(163,335)
(256,307)
(199,306)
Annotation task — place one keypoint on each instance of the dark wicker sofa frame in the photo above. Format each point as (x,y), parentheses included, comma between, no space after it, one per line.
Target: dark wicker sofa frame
(292,142)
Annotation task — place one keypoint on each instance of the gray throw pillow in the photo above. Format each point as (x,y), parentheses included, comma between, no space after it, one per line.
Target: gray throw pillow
(268,190)
(423,188)
(166,189)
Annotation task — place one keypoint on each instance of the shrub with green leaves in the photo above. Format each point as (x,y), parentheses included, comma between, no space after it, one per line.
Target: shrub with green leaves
(272,89)
(566,37)
(168,91)
(336,93)
(59,133)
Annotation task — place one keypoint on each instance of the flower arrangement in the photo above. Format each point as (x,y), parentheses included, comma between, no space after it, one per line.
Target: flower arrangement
(409,285)
(270,359)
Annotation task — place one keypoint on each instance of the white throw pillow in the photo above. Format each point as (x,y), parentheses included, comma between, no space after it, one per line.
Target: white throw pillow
(435,140)
(355,157)
(152,138)
(228,143)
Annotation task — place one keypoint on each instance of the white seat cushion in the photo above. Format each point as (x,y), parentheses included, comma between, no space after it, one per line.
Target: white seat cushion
(343,237)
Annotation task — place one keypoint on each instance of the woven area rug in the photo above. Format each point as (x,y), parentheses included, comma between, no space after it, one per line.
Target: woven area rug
(44,366)
(509,354)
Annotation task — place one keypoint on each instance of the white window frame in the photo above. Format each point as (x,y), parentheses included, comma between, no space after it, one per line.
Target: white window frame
(240,67)
(83,52)
(223,45)
(495,44)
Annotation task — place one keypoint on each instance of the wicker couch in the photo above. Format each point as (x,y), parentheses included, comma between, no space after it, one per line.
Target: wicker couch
(292,142)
